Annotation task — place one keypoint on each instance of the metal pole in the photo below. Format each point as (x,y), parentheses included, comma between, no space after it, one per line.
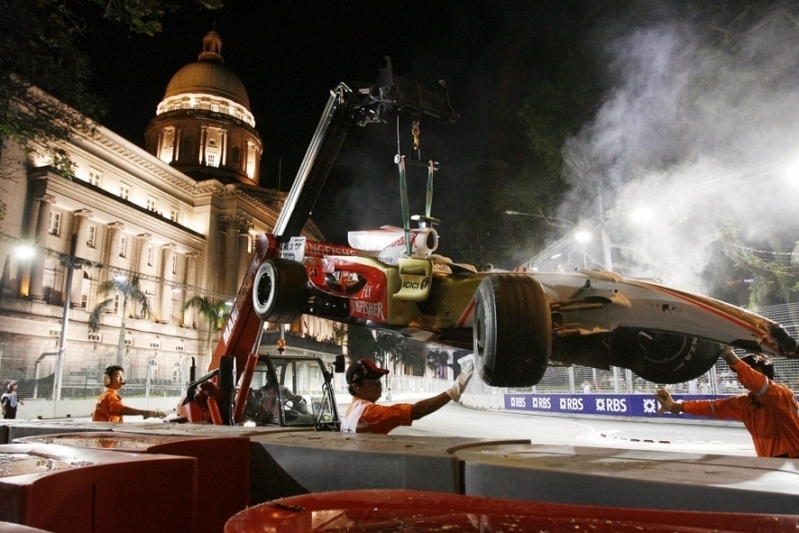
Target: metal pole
(607,259)
(59,362)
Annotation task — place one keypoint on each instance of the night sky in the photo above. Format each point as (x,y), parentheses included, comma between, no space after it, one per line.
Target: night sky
(698,121)
(290,54)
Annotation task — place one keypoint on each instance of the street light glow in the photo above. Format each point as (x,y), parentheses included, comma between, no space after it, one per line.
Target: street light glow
(24,251)
(582,236)
(641,215)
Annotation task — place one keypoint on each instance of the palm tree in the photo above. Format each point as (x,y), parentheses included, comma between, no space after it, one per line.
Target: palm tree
(129,291)
(214,311)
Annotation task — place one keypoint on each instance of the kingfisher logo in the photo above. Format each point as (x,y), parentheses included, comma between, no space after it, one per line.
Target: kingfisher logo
(368,309)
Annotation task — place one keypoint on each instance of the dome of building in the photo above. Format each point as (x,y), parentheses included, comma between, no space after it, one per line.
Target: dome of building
(209,75)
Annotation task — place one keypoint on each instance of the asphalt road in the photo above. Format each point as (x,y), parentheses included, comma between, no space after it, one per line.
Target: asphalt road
(457,421)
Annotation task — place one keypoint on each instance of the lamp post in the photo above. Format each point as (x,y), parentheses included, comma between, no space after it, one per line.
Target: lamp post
(69,262)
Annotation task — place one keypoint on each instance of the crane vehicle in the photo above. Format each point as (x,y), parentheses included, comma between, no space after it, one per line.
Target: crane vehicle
(213,397)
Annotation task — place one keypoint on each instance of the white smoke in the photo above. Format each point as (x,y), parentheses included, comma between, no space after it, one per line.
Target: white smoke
(697,133)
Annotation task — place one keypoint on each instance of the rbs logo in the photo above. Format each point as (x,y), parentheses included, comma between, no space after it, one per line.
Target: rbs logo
(613,405)
(518,401)
(571,404)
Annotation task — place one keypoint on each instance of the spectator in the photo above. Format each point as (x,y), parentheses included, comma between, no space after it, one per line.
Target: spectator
(365,416)
(769,411)
(109,407)
(9,399)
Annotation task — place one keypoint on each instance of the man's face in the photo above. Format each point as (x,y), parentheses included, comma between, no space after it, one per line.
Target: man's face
(117,379)
(369,389)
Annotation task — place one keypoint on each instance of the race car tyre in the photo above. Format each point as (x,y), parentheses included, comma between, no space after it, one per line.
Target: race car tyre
(512,330)
(279,285)
(662,357)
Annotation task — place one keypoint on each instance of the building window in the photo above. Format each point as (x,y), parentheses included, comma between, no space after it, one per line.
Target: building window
(117,303)
(94,177)
(54,225)
(123,246)
(177,106)
(215,108)
(152,204)
(92,236)
(210,159)
(174,264)
(150,256)
(174,215)
(124,191)
(195,106)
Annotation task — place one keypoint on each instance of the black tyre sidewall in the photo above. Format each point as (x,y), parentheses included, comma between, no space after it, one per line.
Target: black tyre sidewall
(512,330)
(286,292)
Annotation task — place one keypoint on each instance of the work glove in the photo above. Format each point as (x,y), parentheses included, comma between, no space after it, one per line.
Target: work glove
(457,388)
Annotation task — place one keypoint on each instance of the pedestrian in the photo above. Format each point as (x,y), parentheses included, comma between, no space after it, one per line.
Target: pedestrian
(769,411)
(9,400)
(365,416)
(109,407)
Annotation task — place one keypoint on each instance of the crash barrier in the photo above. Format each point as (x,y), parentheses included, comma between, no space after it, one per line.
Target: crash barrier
(64,489)
(636,406)
(221,461)
(374,510)
(287,463)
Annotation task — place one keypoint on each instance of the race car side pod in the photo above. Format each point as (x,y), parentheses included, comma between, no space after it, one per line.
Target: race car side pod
(244,388)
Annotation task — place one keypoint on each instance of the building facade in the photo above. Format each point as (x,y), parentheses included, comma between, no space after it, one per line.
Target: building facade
(180,217)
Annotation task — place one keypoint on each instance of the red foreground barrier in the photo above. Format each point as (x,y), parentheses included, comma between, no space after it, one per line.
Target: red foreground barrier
(223,466)
(408,511)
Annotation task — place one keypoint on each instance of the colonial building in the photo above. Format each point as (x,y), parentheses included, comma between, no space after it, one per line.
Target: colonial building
(179,216)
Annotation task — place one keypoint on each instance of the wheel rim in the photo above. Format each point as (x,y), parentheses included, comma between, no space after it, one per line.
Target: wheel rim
(265,287)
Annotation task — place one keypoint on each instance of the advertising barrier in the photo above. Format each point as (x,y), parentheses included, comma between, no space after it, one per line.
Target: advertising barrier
(632,405)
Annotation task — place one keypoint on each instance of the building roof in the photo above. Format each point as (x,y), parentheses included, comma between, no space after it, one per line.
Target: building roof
(209,75)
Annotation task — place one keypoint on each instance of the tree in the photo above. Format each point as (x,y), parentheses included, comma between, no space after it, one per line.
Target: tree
(129,291)
(214,311)
(43,50)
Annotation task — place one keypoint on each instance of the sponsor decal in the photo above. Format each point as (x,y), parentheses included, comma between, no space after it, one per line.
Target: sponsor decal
(373,310)
(415,284)
(319,249)
(627,405)
(570,404)
(611,405)
(294,249)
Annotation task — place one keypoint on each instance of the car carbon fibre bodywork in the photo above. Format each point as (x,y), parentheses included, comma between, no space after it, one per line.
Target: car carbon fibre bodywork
(517,323)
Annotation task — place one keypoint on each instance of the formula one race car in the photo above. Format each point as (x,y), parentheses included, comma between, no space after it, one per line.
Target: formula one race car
(517,323)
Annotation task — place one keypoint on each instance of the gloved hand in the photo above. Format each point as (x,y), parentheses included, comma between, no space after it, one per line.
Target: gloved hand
(457,388)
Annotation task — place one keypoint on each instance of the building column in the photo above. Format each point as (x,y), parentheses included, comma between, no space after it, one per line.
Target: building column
(46,202)
(111,251)
(175,144)
(165,288)
(203,141)
(160,144)
(143,245)
(190,280)
(82,231)
(230,227)
(244,254)
(223,149)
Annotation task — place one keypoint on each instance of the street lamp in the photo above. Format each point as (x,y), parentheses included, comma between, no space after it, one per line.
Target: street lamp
(70,262)
(583,237)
